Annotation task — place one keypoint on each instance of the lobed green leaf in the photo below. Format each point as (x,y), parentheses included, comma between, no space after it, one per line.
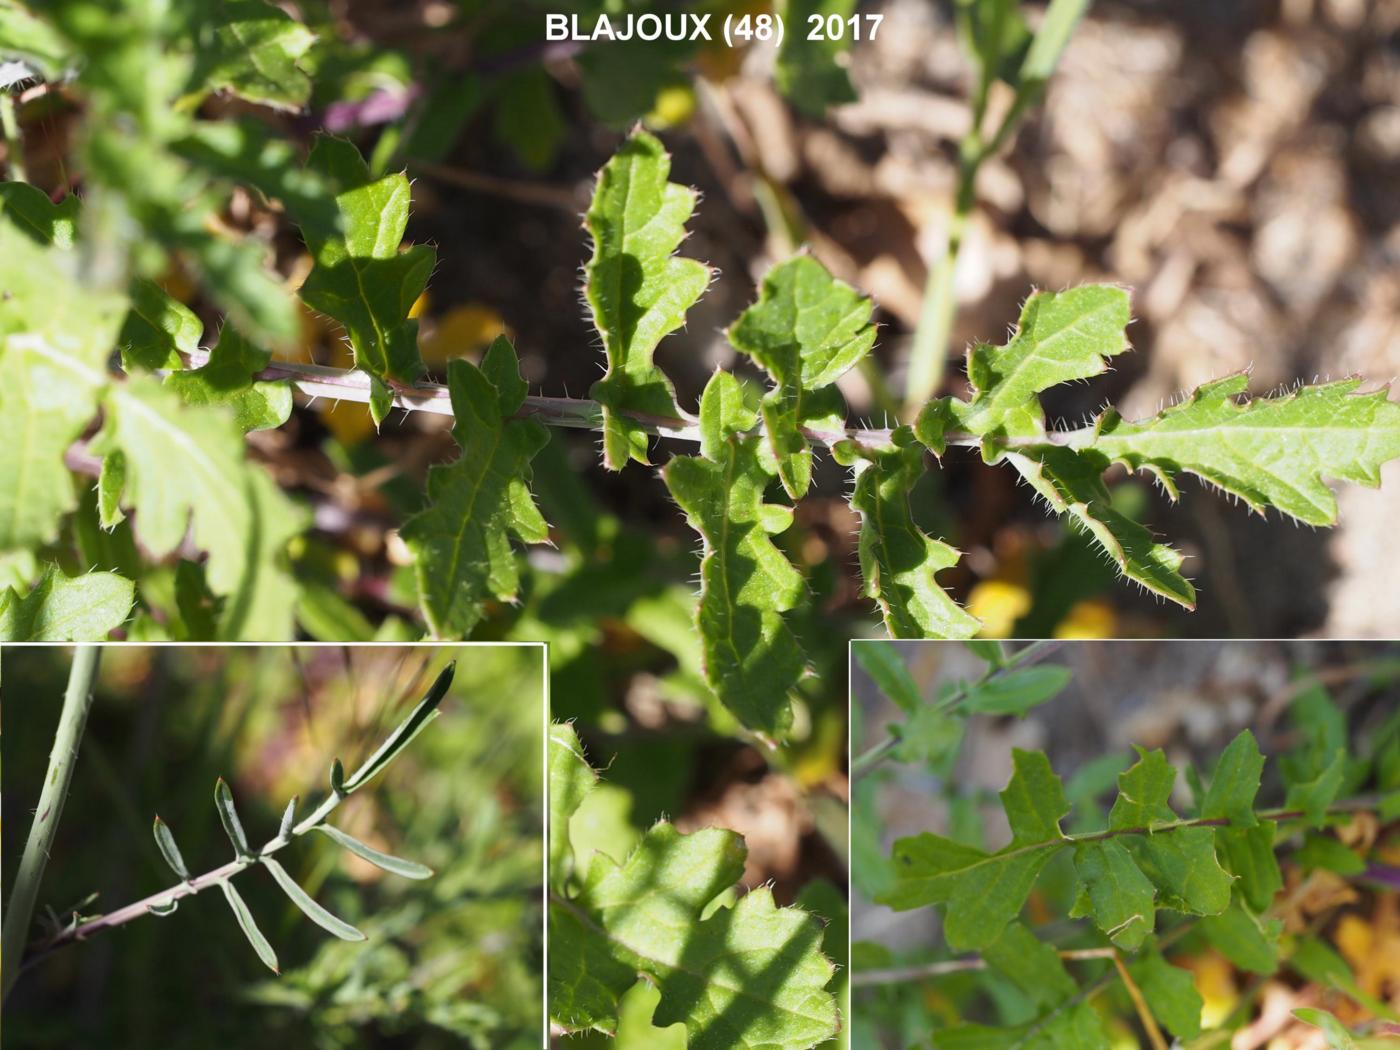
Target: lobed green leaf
(807,329)
(752,659)
(461,540)
(637,288)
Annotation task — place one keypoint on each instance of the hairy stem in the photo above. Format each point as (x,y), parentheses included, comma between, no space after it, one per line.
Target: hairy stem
(77,699)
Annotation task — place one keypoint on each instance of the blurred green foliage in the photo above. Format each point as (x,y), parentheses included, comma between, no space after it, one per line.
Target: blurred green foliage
(451,961)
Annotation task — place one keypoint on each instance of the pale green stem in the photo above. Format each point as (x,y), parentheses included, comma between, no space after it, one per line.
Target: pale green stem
(14,143)
(76,702)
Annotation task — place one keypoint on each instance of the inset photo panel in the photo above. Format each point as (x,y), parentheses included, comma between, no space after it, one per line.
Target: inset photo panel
(249,847)
(697,865)
(1112,844)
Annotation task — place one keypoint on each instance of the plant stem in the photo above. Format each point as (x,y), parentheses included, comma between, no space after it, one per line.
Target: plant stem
(83,930)
(77,700)
(869,759)
(14,141)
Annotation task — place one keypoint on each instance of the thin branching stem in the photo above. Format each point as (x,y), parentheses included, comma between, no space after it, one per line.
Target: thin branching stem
(77,699)
(869,759)
(82,930)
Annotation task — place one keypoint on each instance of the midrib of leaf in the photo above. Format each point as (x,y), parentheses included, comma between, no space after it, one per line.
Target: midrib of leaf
(192,448)
(40,347)
(739,990)
(467,519)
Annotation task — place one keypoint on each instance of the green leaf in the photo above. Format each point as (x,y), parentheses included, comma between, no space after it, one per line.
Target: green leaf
(1182,864)
(63,608)
(1032,965)
(1034,799)
(163,908)
(249,927)
(228,816)
(394,865)
(284,830)
(899,562)
(1120,898)
(571,778)
(1016,692)
(158,329)
(1314,796)
(171,852)
(240,516)
(1236,783)
(1338,1038)
(1323,851)
(637,288)
(1061,337)
(882,662)
(1170,992)
(253,52)
(752,659)
(417,720)
(1246,939)
(111,481)
(55,335)
(750,975)
(811,68)
(227,379)
(807,329)
(32,213)
(1072,484)
(1249,854)
(1144,790)
(26,38)
(360,277)
(461,541)
(1270,452)
(984,892)
(307,904)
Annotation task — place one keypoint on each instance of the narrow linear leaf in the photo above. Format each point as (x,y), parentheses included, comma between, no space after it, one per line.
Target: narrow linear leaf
(171,852)
(228,816)
(163,908)
(807,329)
(423,713)
(1017,692)
(637,288)
(284,831)
(394,865)
(249,927)
(882,662)
(307,904)
(1338,1038)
